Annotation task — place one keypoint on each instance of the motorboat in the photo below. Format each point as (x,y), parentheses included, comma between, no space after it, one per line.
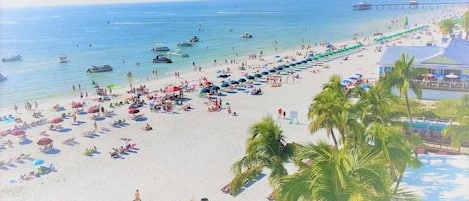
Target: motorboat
(160,48)
(194,39)
(177,52)
(184,44)
(98,69)
(361,5)
(247,35)
(63,59)
(2,77)
(12,57)
(413,2)
(161,59)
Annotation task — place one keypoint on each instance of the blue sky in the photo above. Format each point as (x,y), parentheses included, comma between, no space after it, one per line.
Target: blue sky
(39,3)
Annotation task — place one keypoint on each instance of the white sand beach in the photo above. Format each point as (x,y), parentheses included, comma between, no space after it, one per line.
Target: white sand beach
(187,155)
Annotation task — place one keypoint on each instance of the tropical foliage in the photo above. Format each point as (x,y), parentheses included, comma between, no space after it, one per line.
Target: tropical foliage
(465,23)
(447,26)
(370,149)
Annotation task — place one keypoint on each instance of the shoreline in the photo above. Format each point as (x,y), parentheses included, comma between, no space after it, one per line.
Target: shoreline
(187,155)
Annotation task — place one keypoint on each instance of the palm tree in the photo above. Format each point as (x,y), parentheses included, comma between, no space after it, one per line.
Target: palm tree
(265,147)
(337,175)
(392,144)
(459,134)
(465,23)
(401,77)
(375,105)
(447,26)
(329,110)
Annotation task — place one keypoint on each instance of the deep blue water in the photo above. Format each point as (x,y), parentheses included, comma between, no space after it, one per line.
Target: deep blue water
(127,32)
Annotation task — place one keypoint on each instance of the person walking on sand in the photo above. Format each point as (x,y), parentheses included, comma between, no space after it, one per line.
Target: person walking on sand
(137,196)
(16,108)
(95,126)
(229,110)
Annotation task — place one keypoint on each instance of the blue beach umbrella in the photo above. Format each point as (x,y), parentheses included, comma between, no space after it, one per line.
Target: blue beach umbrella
(278,68)
(257,75)
(234,82)
(264,73)
(292,64)
(241,80)
(272,71)
(37,162)
(250,77)
(225,84)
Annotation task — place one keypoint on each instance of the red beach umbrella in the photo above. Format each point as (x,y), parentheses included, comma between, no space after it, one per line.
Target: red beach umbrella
(77,104)
(173,89)
(93,109)
(133,111)
(44,141)
(18,132)
(57,120)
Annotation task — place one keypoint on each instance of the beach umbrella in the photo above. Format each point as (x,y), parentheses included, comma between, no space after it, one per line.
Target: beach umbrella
(93,109)
(250,77)
(241,80)
(204,90)
(37,162)
(309,59)
(264,73)
(298,62)
(365,86)
(77,104)
(279,68)
(44,141)
(234,82)
(173,88)
(451,75)
(272,71)
(225,84)
(133,111)
(111,86)
(18,132)
(257,75)
(57,120)
(292,64)
(214,87)
(223,76)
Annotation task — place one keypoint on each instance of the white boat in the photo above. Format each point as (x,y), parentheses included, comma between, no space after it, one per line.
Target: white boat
(97,69)
(247,35)
(12,57)
(413,2)
(160,47)
(177,52)
(184,44)
(63,58)
(2,77)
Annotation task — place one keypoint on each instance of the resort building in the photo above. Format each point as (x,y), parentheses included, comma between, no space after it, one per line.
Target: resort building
(447,68)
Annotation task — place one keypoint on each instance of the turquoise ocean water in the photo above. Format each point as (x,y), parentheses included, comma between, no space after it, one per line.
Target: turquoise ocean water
(128,32)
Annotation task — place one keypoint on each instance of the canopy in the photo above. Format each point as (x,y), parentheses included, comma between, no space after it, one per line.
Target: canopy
(257,75)
(250,77)
(173,88)
(37,162)
(234,82)
(93,109)
(225,84)
(214,87)
(57,120)
(44,141)
(133,111)
(18,132)
(451,75)
(241,80)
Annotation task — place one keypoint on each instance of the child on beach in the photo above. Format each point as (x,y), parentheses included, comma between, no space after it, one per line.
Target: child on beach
(137,196)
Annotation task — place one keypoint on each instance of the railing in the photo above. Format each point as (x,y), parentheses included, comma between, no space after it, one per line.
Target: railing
(443,85)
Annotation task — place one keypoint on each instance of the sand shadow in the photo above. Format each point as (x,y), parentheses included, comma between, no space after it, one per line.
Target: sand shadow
(26,141)
(99,118)
(64,130)
(141,119)
(52,151)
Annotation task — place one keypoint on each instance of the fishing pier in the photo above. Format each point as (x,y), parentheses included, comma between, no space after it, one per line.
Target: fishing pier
(411,5)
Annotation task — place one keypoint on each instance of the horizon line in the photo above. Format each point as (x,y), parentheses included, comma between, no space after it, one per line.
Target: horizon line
(90,3)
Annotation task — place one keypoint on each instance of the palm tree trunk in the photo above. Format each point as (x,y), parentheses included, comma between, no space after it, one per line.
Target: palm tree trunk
(398,182)
(333,138)
(408,110)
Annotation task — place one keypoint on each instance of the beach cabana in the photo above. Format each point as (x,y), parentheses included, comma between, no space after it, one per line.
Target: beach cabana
(57,120)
